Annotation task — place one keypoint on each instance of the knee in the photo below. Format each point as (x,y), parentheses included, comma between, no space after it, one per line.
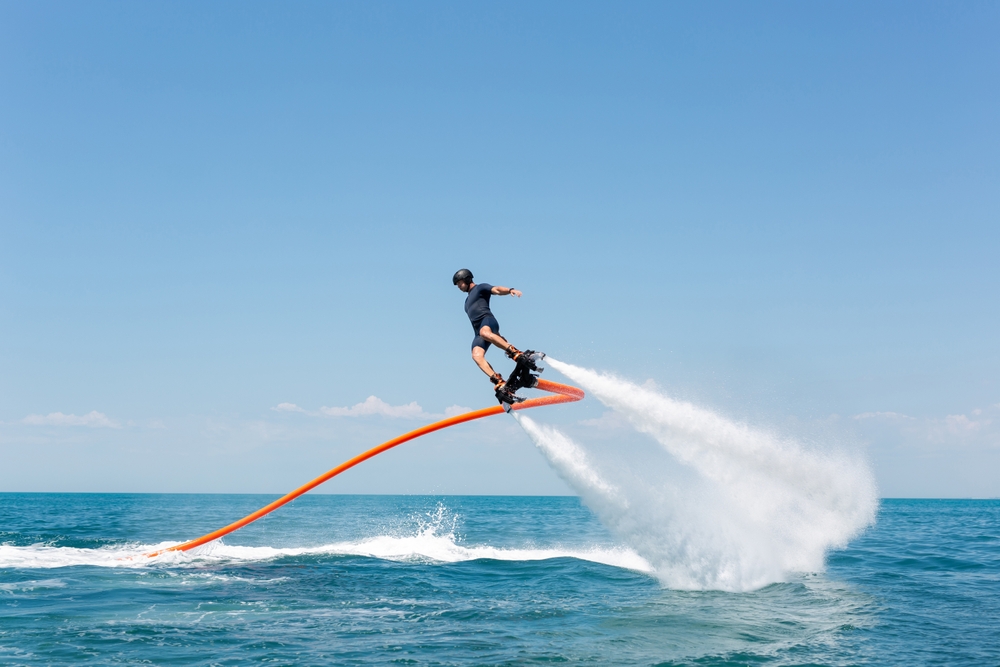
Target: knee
(486,332)
(478,353)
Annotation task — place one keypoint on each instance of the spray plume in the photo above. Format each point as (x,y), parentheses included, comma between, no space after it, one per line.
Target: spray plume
(716,504)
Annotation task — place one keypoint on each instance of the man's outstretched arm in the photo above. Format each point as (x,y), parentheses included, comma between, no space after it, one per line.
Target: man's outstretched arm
(502,291)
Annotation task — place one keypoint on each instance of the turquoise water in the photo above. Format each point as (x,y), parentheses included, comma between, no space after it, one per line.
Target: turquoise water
(468,581)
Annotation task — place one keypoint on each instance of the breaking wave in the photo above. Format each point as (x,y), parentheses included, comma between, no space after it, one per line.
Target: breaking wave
(431,543)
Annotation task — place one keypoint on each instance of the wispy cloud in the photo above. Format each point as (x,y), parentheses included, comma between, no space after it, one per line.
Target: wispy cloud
(609,420)
(894,416)
(289,407)
(373,405)
(977,425)
(93,419)
(961,424)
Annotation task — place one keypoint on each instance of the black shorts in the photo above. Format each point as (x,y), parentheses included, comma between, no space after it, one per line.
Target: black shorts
(488,321)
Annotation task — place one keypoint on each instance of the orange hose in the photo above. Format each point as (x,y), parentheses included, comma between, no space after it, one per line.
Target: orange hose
(563,394)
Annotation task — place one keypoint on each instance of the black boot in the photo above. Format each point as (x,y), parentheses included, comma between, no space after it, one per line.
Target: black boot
(506,397)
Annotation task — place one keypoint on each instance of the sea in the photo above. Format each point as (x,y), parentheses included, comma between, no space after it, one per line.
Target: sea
(469,580)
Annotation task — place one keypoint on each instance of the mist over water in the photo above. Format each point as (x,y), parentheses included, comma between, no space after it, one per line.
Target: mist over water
(717,504)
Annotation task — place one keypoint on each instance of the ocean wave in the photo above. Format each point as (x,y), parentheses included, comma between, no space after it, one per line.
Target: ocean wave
(422,548)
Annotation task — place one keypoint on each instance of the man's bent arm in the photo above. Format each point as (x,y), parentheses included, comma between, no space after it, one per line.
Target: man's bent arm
(503,291)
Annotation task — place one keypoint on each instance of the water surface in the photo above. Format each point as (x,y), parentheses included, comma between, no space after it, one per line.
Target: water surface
(468,581)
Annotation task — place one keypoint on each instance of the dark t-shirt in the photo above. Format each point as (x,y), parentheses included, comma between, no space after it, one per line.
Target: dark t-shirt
(477,304)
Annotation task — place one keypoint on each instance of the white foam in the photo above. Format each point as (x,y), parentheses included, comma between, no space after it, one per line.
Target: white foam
(426,547)
(46,557)
(723,505)
(28,586)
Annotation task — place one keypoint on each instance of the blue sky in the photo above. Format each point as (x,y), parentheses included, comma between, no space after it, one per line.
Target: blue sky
(785,211)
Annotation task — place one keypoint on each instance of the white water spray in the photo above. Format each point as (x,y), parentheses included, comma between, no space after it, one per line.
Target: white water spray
(719,504)
(570,461)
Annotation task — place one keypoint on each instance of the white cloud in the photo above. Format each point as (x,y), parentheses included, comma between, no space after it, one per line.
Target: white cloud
(288,407)
(373,405)
(961,424)
(966,429)
(609,420)
(884,415)
(94,419)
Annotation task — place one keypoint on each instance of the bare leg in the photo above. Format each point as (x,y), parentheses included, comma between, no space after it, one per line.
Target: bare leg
(479,356)
(496,339)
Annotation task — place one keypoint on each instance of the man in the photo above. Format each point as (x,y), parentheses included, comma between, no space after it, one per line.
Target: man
(484,324)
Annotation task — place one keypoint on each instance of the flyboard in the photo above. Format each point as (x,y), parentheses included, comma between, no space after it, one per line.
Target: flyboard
(521,378)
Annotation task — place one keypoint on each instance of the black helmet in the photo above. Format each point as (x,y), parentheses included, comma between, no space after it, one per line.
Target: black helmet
(461,276)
